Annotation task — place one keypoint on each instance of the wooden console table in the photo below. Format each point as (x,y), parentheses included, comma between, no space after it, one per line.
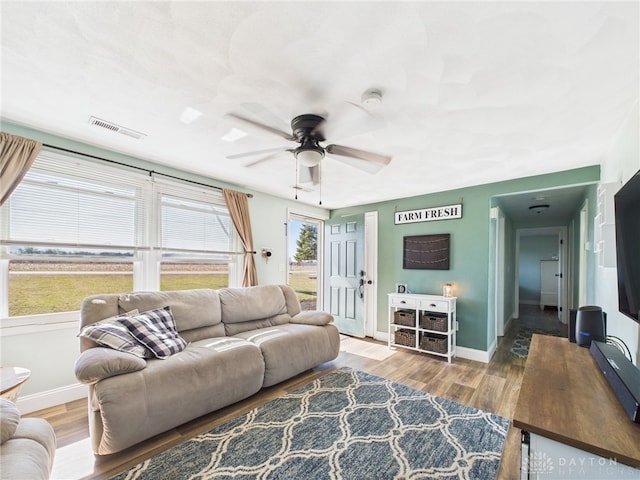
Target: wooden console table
(567,403)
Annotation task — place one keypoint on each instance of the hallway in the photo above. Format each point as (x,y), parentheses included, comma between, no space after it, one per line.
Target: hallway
(547,320)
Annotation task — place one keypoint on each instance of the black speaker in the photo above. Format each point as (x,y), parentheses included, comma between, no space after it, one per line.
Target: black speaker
(572,324)
(589,325)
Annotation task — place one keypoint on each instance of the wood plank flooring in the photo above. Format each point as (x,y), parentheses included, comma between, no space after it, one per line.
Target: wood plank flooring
(492,387)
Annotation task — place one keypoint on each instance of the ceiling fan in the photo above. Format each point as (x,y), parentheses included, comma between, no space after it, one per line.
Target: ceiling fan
(307,130)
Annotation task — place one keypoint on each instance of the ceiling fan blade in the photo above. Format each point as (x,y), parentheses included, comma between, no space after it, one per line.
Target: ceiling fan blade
(357,153)
(261,113)
(276,131)
(257,152)
(309,175)
(363,165)
(264,159)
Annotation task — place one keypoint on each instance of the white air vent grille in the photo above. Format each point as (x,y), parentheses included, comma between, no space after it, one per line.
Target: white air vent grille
(97,122)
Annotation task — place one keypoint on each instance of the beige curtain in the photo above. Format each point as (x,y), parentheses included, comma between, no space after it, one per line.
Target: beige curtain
(238,206)
(17,154)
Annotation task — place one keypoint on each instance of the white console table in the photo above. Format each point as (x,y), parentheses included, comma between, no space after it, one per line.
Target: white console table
(426,323)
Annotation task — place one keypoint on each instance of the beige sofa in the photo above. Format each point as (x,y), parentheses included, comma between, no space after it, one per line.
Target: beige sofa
(239,341)
(27,447)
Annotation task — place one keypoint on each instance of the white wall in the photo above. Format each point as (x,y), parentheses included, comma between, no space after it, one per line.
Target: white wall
(268,219)
(620,163)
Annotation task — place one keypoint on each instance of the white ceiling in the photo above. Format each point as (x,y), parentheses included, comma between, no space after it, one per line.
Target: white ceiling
(473,92)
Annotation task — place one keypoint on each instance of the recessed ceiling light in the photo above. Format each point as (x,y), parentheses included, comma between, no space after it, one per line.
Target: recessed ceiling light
(190,115)
(233,135)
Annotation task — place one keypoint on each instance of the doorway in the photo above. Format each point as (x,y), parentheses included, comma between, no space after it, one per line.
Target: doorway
(541,266)
(304,258)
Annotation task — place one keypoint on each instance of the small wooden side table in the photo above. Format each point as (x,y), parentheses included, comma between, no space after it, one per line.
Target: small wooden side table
(11,380)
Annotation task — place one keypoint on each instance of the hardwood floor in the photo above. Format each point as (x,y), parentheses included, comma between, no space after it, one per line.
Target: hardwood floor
(492,387)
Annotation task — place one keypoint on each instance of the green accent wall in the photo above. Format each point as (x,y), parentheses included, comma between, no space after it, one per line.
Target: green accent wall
(470,250)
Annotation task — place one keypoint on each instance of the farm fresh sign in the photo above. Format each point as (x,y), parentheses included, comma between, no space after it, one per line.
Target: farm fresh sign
(429,214)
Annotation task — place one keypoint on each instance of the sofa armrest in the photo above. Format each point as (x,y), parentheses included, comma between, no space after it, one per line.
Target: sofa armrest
(98,363)
(312,317)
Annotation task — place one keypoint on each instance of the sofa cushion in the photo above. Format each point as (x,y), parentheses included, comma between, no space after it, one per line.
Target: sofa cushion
(207,375)
(293,348)
(191,309)
(30,452)
(156,329)
(9,419)
(312,317)
(291,297)
(251,303)
(232,329)
(98,363)
(112,333)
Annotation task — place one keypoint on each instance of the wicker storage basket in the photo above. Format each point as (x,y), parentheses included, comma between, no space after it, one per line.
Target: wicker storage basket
(406,318)
(434,343)
(434,321)
(405,337)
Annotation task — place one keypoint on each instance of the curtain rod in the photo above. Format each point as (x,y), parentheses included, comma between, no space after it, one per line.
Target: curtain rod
(150,172)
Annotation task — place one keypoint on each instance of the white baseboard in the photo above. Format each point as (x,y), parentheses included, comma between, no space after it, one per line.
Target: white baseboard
(51,398)
(508,323)
(381,336)
(462,352)
(476,355)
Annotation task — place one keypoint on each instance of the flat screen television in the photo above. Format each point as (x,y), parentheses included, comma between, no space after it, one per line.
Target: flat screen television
(627,218)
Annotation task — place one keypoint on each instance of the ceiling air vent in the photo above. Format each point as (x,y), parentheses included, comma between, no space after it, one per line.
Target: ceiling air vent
(116,128)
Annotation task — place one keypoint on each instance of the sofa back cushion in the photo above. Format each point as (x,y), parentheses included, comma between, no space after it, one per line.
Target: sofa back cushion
(291,297)
(196,312)
(191,308)
(252,307)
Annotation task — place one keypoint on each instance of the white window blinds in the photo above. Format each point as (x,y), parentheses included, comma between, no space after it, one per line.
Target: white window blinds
(68,202)
(194,221)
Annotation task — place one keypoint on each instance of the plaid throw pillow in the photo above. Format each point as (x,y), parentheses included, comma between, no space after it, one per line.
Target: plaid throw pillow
(113,334)
(156,329)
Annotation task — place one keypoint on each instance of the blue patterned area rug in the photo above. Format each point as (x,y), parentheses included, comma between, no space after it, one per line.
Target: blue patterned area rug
(345,425)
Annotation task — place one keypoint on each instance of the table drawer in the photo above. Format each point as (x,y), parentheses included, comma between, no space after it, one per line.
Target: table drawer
(434,306)
(404,302)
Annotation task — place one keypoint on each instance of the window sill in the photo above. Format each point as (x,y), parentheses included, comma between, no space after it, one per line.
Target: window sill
(38,323)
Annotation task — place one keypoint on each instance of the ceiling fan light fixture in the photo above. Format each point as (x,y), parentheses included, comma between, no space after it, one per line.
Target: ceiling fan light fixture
(309,157)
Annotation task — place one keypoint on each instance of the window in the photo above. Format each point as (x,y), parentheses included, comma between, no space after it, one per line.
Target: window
(50,286)
(76,227)
(195,239)
(305,254)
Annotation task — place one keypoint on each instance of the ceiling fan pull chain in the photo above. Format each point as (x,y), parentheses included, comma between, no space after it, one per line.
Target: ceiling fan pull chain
(320,182)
